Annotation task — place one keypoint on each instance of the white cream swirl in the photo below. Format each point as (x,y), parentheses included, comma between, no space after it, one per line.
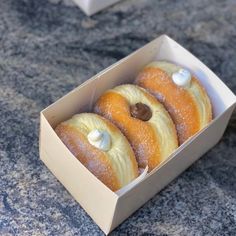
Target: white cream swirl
(182,78)
(100,139)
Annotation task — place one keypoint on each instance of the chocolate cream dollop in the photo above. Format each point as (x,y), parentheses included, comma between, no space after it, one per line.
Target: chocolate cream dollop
(141,111)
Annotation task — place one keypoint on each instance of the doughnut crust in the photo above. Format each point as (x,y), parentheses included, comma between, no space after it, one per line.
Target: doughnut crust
(189,107)
(116,167)
(153,140)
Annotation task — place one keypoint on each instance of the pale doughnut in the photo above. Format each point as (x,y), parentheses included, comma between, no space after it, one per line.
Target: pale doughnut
(113,163)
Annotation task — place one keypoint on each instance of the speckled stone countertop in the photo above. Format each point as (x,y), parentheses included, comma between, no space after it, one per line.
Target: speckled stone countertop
(47,48)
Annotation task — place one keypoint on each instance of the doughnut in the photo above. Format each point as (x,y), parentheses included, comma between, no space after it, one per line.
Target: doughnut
(101,148)
(143,120)
(182,95)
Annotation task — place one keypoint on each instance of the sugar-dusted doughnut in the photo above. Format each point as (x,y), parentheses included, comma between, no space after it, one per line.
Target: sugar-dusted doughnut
(143,120)
(101,148)
(181,93)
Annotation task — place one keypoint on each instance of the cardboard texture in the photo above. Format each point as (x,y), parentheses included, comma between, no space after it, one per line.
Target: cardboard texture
(107,208)
(91,7)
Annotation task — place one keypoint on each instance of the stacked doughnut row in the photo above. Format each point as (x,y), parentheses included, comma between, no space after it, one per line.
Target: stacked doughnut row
(138,125)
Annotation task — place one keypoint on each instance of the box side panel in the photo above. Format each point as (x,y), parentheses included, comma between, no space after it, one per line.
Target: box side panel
(135,198)
(221,96)
(76,178)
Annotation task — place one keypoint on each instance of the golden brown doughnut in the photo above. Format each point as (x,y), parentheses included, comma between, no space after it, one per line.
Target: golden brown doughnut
(101,148)
(143,120)
(182,95)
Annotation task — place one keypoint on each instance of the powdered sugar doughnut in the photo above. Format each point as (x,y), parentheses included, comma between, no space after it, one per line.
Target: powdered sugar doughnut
(101,147)
(182,95)
(143,120)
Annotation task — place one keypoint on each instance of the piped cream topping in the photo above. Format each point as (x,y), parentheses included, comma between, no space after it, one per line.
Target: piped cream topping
(182,78)
(195,90)
(100,139)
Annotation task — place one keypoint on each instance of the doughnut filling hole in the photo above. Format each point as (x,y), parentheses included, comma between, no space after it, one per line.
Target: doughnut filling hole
(141,111)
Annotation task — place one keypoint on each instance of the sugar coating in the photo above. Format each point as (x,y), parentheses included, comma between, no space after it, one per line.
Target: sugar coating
(96,161)
(118,159)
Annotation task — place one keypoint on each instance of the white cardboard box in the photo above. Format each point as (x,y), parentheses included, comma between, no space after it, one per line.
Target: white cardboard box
(91,7)
(105,207)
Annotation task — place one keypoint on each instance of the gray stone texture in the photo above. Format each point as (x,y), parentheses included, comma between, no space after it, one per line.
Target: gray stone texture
(49,48)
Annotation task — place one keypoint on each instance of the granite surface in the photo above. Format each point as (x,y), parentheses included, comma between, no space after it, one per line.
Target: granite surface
(48,48)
